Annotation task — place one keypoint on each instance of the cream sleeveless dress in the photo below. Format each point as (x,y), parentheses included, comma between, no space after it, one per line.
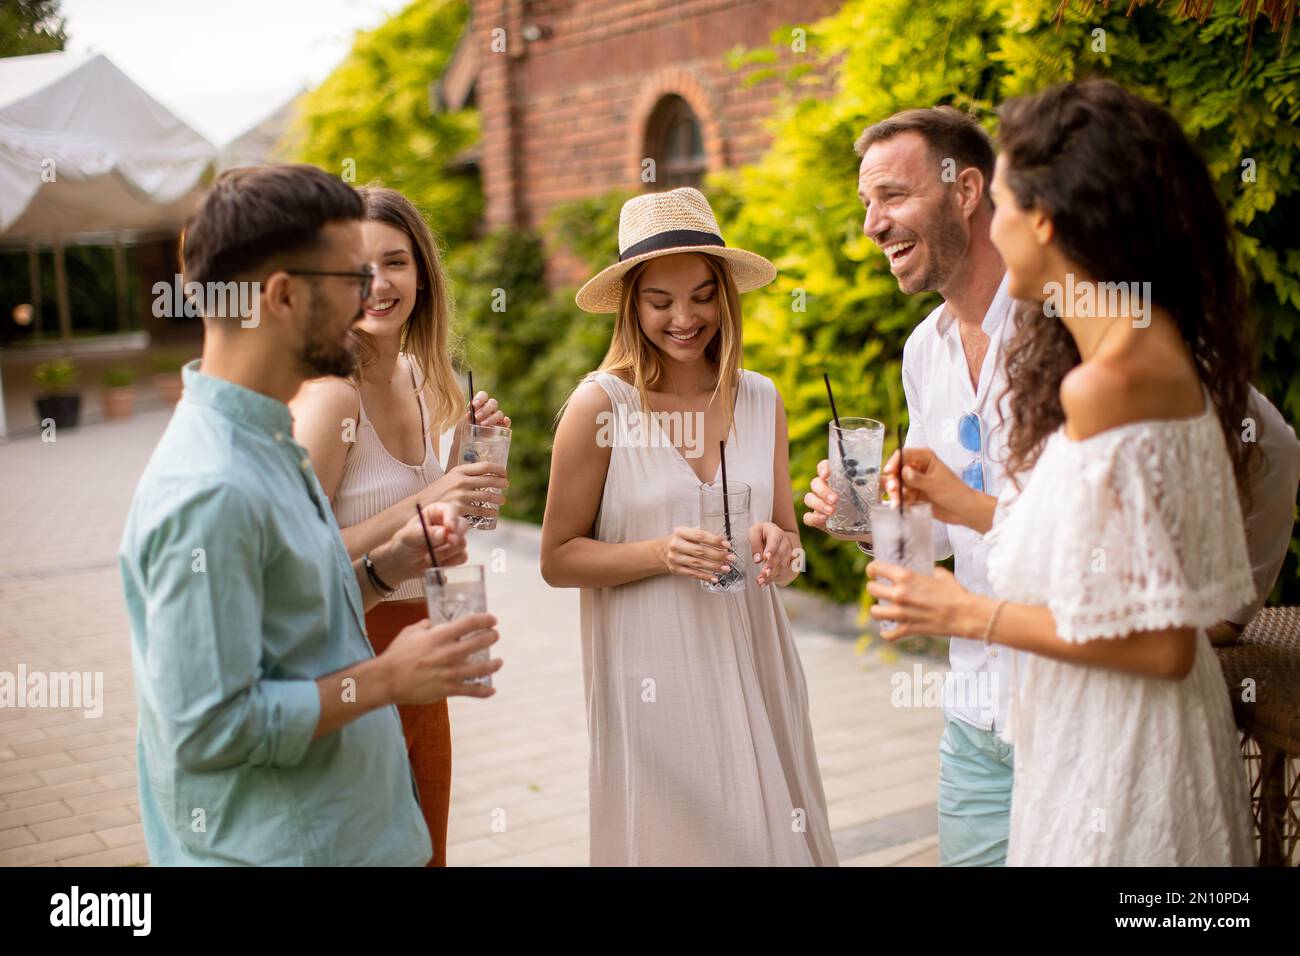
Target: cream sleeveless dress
(701,746)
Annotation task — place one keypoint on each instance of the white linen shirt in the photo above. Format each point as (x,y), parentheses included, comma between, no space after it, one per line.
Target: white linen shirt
(937,385)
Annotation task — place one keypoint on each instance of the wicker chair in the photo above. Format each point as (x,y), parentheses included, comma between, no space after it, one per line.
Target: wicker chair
(1262,671)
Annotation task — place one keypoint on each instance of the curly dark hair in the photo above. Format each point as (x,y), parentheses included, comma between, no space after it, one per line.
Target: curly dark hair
(1131,200)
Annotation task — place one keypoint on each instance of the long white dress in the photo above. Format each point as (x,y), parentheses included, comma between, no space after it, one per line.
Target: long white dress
(701,746)
(1136,528)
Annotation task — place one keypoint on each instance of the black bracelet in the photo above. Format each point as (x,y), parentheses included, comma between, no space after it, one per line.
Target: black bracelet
(374,577)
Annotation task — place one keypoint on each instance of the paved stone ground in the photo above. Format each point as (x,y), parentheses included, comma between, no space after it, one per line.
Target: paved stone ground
(67,782)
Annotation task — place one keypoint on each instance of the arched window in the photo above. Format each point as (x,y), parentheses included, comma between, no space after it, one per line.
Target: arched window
(673,141)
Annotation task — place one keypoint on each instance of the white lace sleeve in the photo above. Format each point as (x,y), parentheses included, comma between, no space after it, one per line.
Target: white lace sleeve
(1150,533)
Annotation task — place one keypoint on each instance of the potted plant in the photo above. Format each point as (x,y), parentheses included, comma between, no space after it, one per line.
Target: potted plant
(167,376)
(56,398)
(119,392)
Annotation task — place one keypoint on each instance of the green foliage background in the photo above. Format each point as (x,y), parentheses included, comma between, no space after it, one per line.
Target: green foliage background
(834,306)
(374,110)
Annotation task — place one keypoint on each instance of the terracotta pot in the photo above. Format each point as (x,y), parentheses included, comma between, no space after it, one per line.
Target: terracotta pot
(169,386)
(119,402)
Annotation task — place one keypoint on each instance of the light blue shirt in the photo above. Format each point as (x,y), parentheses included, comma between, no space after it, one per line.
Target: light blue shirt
(241,594)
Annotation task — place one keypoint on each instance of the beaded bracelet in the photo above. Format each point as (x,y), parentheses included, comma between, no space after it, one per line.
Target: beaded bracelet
(988,629)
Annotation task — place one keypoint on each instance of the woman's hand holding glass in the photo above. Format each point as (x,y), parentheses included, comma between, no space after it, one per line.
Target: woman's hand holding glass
(772,548)
(927,478)
(696,553)
(487,412)
(924,603)
(464,485)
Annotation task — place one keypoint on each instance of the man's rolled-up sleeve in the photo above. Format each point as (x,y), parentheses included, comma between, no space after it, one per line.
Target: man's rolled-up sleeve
(205,579)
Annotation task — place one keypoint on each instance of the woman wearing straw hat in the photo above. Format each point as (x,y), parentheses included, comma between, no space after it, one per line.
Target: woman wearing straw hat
(701,746)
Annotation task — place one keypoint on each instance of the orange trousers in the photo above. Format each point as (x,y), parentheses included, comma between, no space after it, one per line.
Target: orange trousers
(426,727)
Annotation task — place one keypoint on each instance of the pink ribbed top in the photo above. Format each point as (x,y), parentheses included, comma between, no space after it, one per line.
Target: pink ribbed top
(373,479)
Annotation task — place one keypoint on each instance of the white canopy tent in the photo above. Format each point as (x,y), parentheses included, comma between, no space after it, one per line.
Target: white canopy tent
(87,156)
(85,152)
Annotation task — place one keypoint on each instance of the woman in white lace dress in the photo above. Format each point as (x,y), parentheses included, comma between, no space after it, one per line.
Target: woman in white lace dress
(1121,538)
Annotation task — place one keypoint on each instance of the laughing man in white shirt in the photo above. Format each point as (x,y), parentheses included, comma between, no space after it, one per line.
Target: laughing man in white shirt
(923,180)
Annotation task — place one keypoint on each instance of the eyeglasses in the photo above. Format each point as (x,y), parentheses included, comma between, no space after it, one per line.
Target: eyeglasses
(366,278)
(970,432)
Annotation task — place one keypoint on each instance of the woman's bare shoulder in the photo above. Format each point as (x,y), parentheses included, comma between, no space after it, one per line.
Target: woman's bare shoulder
(327,396)
(1097,396)
(588,400)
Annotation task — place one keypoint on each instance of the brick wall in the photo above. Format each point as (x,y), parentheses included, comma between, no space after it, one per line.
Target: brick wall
(564,115)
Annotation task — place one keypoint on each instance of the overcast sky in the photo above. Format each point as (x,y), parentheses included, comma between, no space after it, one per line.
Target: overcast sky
(222,67)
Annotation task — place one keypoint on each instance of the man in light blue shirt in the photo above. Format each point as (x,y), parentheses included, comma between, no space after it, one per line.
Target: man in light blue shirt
(268,730)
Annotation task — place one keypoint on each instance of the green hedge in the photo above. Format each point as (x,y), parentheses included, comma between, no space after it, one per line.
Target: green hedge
(527,347)
(371,120)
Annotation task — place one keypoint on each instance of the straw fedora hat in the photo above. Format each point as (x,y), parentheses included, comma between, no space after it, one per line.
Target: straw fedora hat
(663,224)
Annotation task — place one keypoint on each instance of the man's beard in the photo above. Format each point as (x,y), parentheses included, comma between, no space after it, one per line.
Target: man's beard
(320,355)
(946,244)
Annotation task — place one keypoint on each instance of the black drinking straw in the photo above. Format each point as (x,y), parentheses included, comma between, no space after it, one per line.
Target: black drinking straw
(726,511)
(433,558)
(839,437)
(471,395)
(834,414)
(902,493)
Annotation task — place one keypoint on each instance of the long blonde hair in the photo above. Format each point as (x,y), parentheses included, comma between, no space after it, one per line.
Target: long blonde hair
(631,351)
(426,334)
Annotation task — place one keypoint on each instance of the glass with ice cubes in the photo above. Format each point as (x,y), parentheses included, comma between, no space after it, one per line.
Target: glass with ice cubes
(903,536)
(453,593)
(856,449)
(484,443)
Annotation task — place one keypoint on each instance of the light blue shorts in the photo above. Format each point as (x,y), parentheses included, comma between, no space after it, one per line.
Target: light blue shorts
(974,796)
